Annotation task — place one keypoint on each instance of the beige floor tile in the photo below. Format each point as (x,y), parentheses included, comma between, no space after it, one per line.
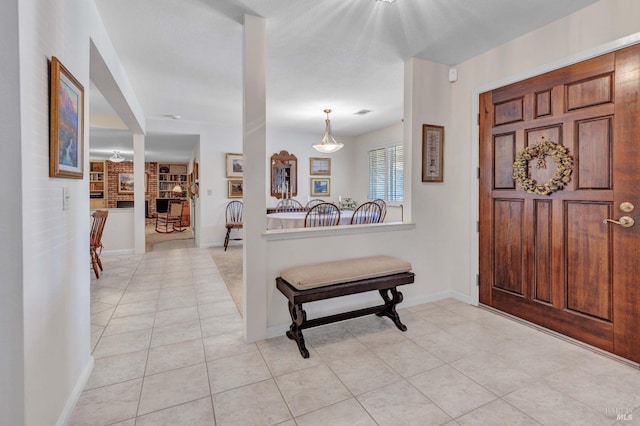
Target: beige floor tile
(174,316)
(122,343)
(117,368)
(452,391)
(176,302)
(550,407)
(107,404)
(128,324)
(176,355)
(175,333)
(173,387)
(311,389)
(133,296)
(401,404)
(137,308)
(407,358)
(445,346)
(194,413)
(282,356)
(216,309)
(495,413)
(417,326)
(224,345)
(492,373)
(595,389)
(345,413)
(226,324)
(362,372)
(256,404)
(238,370)
(102,319)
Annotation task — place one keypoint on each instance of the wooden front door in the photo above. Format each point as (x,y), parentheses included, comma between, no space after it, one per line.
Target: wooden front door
(550,259)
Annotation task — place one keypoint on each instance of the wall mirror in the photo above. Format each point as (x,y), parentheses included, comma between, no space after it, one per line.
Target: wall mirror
(284,175)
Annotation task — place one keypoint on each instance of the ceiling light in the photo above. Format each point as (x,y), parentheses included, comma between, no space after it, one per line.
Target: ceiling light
(328,143)
(116,157)
(387,1)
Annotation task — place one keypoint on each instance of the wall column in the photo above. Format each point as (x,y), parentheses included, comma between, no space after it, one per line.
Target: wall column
(254,150)
(138,193)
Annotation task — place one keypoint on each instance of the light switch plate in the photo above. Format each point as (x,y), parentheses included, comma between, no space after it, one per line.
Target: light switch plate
(453,75)
(66,197)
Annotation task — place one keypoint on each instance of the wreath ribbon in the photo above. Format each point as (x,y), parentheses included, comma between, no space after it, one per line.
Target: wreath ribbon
(539,151)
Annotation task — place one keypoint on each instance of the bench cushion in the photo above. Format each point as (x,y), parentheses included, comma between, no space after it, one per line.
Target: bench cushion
(340,271)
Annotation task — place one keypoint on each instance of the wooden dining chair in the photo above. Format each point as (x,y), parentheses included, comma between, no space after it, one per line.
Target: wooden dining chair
(314,202)
(171,220)
(383,207)
(95,239)
(289,205)
(233,219)
(323,214)
(369,212)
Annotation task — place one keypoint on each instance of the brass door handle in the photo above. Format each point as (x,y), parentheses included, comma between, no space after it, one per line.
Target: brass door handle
(624,221)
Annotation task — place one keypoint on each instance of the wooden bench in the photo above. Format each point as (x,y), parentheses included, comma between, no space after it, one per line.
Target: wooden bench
(327,280)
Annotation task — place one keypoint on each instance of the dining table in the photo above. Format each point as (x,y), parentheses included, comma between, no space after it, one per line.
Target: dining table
(291,220)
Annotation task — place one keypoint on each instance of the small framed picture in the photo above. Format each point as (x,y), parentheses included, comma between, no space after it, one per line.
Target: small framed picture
(125,183)
(234,188)
(66,125)
(320,187)
(432,153)
(320,166)
(235,165)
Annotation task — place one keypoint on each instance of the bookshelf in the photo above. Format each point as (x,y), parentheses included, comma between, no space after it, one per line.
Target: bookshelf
(97,184)
(170,175)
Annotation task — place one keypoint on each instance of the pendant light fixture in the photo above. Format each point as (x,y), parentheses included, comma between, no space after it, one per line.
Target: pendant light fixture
(328,143)
(116,157)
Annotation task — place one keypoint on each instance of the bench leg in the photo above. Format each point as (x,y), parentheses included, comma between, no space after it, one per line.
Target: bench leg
(390,306)
(298,317)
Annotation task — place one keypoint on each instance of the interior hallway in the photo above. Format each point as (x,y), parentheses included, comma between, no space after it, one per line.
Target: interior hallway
(168,348)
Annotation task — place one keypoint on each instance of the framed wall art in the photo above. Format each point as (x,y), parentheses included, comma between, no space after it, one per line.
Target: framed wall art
(320,166)
(320,187)
(125,183)
(432,153)
(234,188)
(66,124)
(235,165)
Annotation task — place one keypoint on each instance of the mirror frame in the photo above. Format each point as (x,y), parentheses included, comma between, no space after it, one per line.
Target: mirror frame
(280,162)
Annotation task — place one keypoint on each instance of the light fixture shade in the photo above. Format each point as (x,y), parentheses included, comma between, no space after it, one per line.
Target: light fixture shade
(116,157)
(177,188)
(328,143)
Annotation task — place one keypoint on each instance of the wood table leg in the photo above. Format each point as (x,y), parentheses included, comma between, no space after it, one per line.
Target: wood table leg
(390,306)
(298,317)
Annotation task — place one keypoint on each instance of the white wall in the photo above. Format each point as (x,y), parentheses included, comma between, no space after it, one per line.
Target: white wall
(11,309)
(299,144)
(445,213)
(443,246)
(55,242)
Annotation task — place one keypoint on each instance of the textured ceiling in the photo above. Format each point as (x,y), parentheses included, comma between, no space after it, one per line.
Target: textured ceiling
(184,57)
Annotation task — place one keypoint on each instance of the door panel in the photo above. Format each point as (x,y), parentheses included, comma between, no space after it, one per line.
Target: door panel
(550,259)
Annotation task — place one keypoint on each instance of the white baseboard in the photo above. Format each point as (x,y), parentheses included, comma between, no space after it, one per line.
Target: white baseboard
(117,252)
(75,394)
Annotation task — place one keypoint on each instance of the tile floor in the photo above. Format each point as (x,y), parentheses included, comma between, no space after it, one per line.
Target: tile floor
(168,350)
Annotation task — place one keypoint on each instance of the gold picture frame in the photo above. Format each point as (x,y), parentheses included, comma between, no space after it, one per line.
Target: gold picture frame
(234,188)
(66,123)
(432,153)
(235,165)
(319,166)
(125,183)
(320,187)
